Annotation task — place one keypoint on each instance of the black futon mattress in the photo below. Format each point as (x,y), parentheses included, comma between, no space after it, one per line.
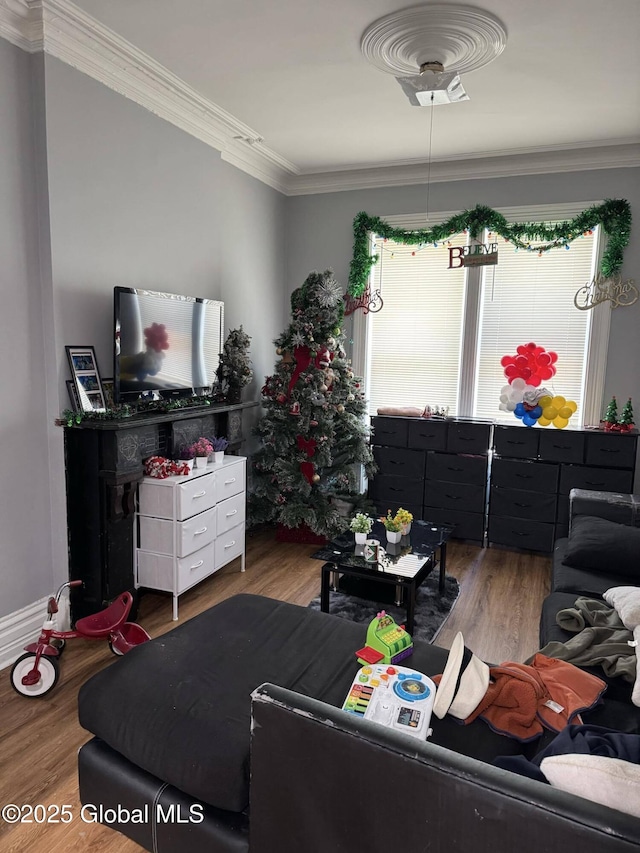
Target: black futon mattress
(179,706)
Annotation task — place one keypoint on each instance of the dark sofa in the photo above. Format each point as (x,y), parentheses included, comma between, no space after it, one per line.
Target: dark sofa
(226,734)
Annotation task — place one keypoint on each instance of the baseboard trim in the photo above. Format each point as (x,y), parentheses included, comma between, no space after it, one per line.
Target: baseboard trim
(20,628)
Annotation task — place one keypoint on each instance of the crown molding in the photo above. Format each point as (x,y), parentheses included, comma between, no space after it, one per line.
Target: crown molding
(61,29)
(502,165)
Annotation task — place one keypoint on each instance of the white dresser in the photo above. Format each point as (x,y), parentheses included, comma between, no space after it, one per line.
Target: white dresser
(189,527)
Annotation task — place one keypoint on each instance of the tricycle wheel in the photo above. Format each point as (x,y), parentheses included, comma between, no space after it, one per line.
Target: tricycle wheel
(47,670)
(58,643)
(114,650)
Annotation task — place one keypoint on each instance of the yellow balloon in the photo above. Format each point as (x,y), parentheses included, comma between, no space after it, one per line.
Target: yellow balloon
(560,422)
(572,405)
(542,421)
(545,401)
(565,412)
(550,412)
(558,402)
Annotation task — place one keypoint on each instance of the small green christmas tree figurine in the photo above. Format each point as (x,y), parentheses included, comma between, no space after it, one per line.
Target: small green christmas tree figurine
(626,418)
(611,416)
(314,435)
(234,370)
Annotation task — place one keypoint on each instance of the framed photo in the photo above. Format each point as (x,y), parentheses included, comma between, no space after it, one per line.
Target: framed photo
(86,379)
(73,395)
(107,387)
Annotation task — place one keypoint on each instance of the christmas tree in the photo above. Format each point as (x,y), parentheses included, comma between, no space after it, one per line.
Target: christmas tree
(611,415)
(314,436)
(234,370)
(626,418)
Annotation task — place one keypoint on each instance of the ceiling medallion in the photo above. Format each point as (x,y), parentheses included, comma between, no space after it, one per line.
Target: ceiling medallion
(460,38)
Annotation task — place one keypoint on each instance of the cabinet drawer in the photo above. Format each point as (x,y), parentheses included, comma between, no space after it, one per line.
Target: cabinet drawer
(399,461)
(516,442)
(466,525)
(196,567)
(516,503)
(391,432)
(193,495)
(444,495)
(613,451)
(427,434)
(229,546)
(230,513)
(521,533)
(156,570)
(457,469)
(536,476)
(156,534)
(562,446)
(229,480)
(598,479)
(466,437)
(400,490)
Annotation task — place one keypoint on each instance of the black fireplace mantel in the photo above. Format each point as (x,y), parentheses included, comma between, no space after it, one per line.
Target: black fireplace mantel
(104,464)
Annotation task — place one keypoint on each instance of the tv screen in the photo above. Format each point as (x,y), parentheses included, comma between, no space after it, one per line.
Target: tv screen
(164,342)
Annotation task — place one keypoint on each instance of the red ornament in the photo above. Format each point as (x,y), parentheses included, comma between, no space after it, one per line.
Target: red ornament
(308,471)
(156,337)
(306,444)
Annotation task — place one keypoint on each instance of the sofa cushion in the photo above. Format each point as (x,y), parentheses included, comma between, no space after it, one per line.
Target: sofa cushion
(179,706)
(590,582)
(601,545)
(608,781)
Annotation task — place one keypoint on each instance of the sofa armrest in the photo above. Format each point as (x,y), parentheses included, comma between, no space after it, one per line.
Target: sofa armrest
(621,508)
(324,780)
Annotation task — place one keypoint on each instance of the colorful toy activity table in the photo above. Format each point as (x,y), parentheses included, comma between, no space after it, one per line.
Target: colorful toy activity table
(404,565)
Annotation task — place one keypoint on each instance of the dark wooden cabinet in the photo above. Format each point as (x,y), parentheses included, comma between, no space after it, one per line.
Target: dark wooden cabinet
(104,464)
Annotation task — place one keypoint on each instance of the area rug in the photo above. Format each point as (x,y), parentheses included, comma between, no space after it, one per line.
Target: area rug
(354,601)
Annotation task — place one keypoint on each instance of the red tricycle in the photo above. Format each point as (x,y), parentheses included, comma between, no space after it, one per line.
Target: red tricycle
(36,672)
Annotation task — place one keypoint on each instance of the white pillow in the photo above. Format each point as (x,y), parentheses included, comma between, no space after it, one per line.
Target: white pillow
(609,781)
(625,600)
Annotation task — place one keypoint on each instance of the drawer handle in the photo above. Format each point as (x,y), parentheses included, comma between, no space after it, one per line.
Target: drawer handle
(511,441)
(562,446)
(590,483)
(233,512)
(451,468)
(453,497)
(230,545)
(200,494)
(427,435)
(228,482)
(465,438)
(522,506)
(524,476)
(519,533)
(198,532)
(609,450)
(197,565)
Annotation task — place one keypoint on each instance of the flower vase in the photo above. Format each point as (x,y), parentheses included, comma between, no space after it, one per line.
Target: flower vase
(218,457)
(188,463)
(394,535)
(406,529)
(361,538)
(201,461)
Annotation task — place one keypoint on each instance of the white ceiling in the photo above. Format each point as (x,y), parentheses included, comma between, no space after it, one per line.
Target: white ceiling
(292,70)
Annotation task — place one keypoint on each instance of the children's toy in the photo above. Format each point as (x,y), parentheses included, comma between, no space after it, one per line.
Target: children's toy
(393,696)
(36,672)
(387,642)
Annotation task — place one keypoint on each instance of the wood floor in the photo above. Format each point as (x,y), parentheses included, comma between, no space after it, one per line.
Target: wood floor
(497,611)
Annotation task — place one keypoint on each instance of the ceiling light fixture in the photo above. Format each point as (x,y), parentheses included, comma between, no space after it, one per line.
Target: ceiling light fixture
(432,86)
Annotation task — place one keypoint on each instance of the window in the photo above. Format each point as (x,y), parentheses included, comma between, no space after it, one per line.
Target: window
(441,333)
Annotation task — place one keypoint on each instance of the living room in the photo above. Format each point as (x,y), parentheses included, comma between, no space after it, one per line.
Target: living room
(100,190)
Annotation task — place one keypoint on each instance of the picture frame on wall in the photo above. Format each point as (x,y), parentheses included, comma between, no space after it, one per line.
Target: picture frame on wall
(86,378)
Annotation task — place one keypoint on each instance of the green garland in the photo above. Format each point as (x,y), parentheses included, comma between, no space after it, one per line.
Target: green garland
(614,215)
(69,418)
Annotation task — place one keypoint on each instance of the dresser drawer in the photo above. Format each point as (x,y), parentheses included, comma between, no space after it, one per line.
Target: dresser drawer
(391,432)
(517,503)
(442,495)
(229,546)
(400,490)
(230,513)
(562,446)
(464,437)
(156,534)
(457,469)
(156,570)
(230,480)
(400,461)
(515,442)
(196,567)
(598,479)
(536,476)
(521,533)
(192,495)
(466,525)
(428,434)
(613,451)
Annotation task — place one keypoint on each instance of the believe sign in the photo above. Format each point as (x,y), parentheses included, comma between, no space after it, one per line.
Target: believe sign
(478,255)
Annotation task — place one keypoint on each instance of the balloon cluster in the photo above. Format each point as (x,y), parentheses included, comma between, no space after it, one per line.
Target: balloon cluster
(530,403)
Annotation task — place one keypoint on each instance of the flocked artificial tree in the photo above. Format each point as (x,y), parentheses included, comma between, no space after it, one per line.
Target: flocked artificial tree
(626,418)
(611,415)
(234,370)
(314,438)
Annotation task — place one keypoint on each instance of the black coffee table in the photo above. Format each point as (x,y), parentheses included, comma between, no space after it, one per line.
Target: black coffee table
(404,565)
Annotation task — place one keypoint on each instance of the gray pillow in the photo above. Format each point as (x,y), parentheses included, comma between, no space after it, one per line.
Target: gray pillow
(603,546)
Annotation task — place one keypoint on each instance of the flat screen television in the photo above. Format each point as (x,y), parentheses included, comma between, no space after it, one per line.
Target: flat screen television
(165,343)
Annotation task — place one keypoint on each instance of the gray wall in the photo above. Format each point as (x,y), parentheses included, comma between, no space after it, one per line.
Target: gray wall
(319,234)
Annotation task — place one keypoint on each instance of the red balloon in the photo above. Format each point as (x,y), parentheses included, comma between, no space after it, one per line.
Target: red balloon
(545,373)
(511,371)
(521,361)
(553,356)
(506,359)
(544,359)
(534,380)
(521,350)
(525,372)
(531,345)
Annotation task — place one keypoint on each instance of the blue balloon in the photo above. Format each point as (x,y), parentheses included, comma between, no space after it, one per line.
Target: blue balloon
(528,420)
(519,410)
(536,413)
